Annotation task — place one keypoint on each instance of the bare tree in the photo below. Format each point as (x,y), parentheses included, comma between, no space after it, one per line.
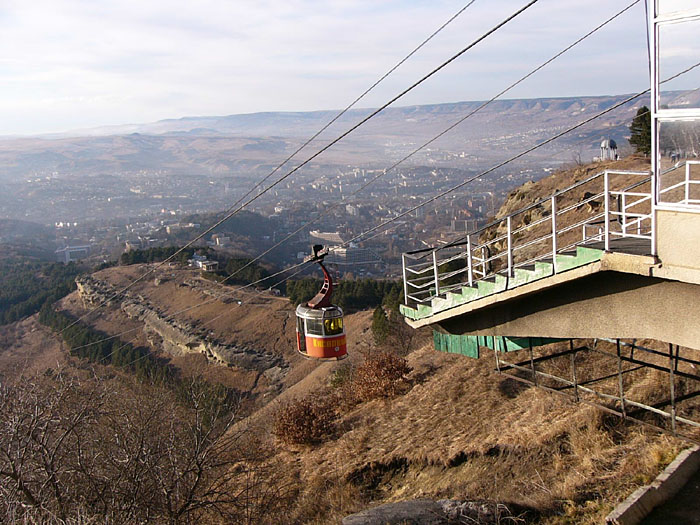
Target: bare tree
(76,450)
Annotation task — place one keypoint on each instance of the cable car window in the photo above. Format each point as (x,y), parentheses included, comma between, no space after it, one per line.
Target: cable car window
(333,326)
(300,325)
(314,327)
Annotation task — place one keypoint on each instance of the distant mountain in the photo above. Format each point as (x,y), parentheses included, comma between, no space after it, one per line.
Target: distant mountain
(247,143)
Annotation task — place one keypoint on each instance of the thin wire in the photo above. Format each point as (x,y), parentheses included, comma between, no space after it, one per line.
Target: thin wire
(537,146)
(447,130)
(319,152)
(354,102)
(515,157)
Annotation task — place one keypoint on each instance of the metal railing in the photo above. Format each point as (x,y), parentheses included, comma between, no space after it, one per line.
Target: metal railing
(681,184)
(607,206)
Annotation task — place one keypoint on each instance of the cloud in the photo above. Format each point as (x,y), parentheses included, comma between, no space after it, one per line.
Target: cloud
(74,63)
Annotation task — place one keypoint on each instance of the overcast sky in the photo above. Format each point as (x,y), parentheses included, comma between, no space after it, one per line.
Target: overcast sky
(67,64)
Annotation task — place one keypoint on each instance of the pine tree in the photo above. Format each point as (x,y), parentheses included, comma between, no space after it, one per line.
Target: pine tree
(640,131)
(380,325)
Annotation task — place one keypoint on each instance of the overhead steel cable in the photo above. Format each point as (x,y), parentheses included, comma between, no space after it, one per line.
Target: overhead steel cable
(333,207)
(319,152)
(352,104)
(504,91)
(511,159)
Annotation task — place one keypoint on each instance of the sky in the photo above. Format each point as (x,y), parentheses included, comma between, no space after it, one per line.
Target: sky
(72,64)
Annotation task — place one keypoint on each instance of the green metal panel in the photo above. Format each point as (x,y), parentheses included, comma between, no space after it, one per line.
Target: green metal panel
(456,344)
(469,344)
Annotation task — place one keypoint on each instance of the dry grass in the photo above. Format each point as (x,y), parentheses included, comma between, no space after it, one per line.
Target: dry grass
(457,435)
(459,431)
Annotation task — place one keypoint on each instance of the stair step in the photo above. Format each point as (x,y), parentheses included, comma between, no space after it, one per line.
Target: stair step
(522,276)
(469,293)
(424,311)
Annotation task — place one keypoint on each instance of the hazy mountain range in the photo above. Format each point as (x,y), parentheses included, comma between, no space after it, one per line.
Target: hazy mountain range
(246,143)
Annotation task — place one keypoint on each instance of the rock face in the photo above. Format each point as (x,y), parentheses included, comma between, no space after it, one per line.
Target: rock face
(429,512)
(176,337)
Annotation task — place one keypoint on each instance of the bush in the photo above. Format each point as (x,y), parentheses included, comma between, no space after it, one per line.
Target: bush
(306,421)
(383,374)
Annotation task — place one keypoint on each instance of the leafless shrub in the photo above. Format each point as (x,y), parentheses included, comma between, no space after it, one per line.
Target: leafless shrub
(308,420)
(382,374)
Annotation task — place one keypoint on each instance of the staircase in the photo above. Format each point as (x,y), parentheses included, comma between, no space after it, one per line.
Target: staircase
(533,243)
(496,283)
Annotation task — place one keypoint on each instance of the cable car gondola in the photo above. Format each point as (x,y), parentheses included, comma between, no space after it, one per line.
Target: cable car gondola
(320,330)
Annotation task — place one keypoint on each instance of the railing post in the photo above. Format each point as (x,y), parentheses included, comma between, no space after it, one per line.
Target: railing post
(687,184)
(436,273)
(554,233)
(510,246)
(470,263)
(606,196)
(654,202)
(405,282)
(624,214)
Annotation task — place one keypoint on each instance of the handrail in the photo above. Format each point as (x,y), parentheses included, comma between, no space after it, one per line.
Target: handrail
(426,274)
(535,204)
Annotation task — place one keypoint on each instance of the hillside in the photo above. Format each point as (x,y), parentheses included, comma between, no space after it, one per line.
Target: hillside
(456,429)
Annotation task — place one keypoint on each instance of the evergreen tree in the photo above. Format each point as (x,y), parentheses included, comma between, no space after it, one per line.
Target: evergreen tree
(640,131)
(380,325)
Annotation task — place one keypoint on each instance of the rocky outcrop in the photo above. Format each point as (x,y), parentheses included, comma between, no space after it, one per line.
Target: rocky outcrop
(173,336)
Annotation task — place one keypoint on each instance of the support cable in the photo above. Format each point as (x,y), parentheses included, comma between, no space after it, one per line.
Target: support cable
(511,159)
(319,152)
(439,135)
(398,216)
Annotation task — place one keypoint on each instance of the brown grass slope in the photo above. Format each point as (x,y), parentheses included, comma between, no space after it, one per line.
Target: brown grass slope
(460,431)
(463,431)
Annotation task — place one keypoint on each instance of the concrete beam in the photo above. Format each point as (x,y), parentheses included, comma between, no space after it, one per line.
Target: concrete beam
(604,305)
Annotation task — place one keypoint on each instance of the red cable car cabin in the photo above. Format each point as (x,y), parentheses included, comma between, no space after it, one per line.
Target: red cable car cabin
(320,329)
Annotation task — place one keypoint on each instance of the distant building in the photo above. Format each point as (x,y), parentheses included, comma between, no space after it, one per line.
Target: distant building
(325,238)
(352,256)
(72,253)
(201,262)
(220,240)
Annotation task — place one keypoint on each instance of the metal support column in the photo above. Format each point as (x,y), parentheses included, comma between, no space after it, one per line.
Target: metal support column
(606,194)
(573,368)
(510,247)
(436,273)
(470,262)
(672,385)
(554,233)
(532,361)
(619,380)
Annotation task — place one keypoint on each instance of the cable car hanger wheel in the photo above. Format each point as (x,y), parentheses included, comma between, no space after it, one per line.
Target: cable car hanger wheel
(320,329)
